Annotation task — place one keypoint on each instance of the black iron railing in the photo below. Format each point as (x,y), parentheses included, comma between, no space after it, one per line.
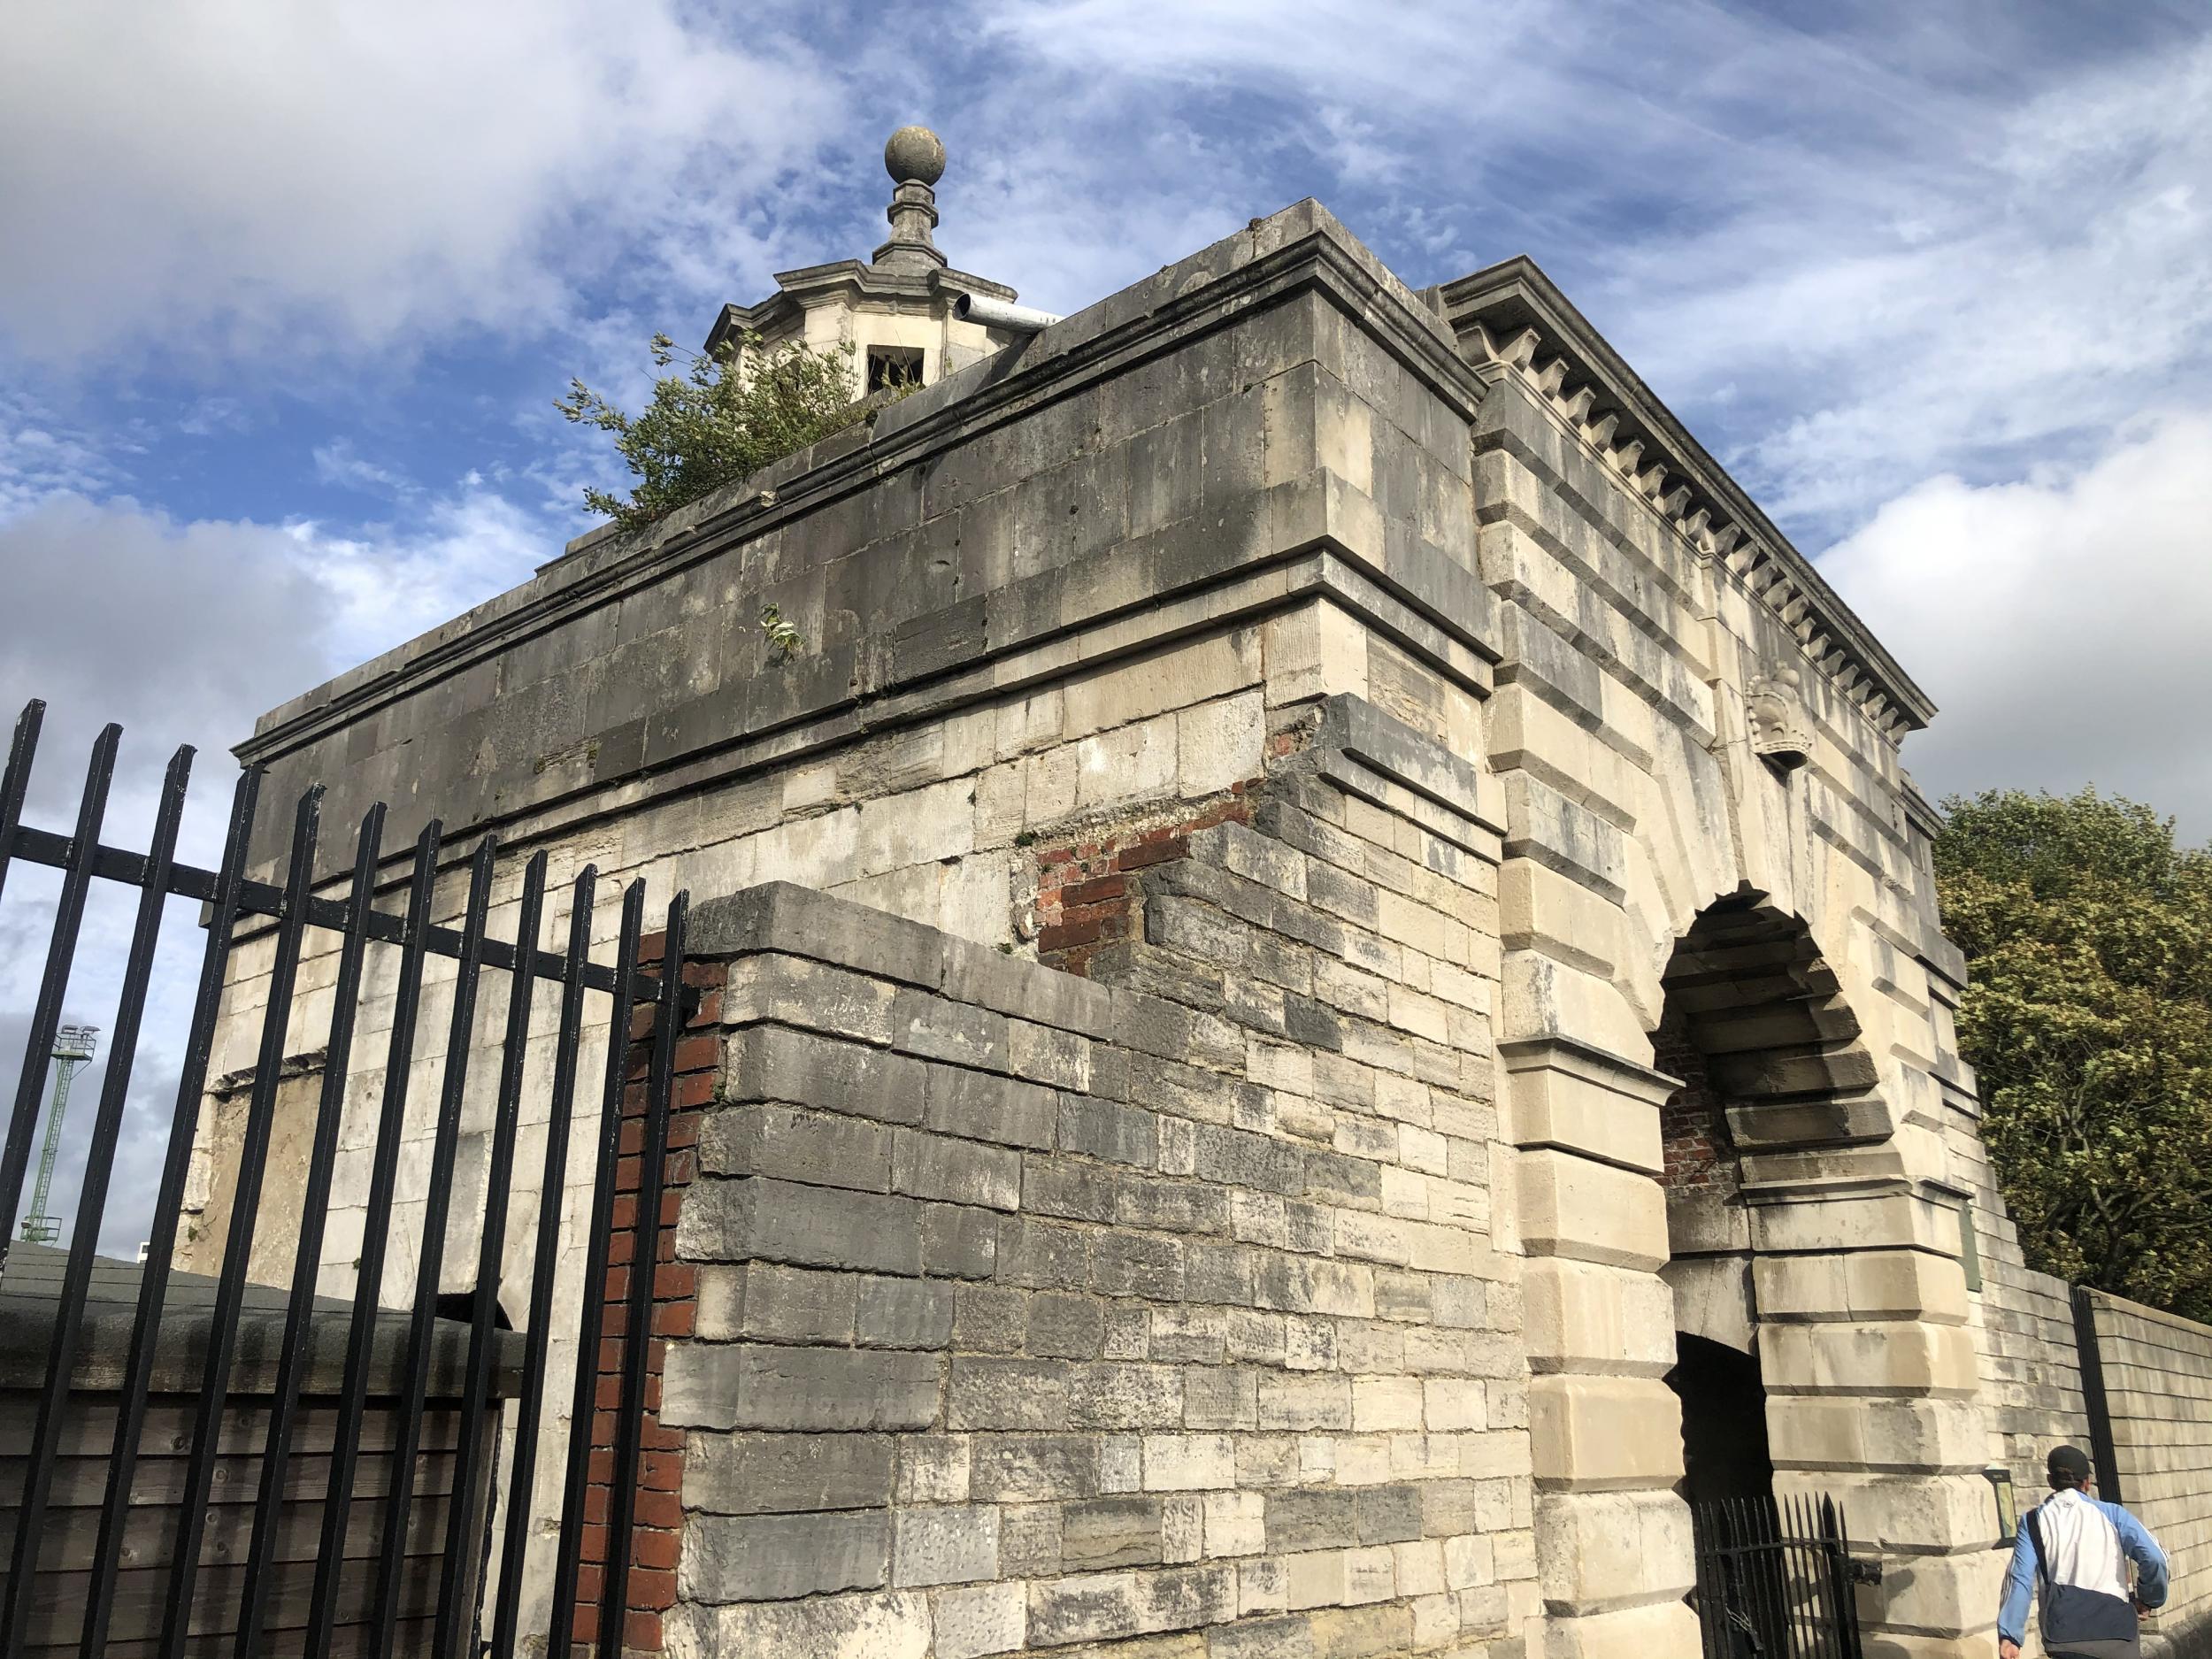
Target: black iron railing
(1774,1579)
(302,923)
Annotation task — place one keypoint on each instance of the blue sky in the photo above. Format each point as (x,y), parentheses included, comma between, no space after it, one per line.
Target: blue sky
(287,294)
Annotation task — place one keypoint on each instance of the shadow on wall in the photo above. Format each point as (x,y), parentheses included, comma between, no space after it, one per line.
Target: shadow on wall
(1724,1421)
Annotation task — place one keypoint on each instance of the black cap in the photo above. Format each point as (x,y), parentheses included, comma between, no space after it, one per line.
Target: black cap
(2067,1465)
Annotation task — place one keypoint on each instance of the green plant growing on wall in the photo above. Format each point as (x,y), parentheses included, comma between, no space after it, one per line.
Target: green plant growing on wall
(2088,1017)
(783,639)
(724,416)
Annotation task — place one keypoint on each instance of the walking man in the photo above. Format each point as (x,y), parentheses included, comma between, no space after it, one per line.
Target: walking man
(2078,1548)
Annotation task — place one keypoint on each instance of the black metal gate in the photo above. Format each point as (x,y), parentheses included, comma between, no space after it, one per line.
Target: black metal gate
(609,1386)
(1775,1578)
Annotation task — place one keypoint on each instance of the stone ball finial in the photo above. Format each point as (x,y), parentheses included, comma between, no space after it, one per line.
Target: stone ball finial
(917,153)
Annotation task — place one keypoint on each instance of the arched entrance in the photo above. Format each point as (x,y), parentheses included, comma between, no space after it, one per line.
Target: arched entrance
(1770,1064)
(1724,1450)
(1716,1374)
(1771,1068)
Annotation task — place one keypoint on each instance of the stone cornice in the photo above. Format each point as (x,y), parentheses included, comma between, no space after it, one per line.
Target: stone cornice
(1512,320)
(1301,250)
(814,285)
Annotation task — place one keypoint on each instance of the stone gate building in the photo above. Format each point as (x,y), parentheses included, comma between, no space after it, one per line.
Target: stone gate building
(1327,959)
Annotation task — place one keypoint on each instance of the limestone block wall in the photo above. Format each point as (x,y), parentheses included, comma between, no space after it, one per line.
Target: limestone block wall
(1392,692)
(2157,1377)
(1625,729)
(1075,596)
(2031,1366)
(1037,1313)
(1037,603)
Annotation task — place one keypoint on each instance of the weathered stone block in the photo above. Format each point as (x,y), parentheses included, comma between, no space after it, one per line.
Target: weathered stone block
(1120,1395)
(1303,1402)
(755,1219)
(883,1625)
(780,1474)
(1892,1358)
(937,1028)
(777,1062)
(794,992)
(1137,1265)
(1311,1520)
(775,1558)
(948,1545)
(790,1304)
(1220,1397)
(1032,1468)
(989,1392)
(956,1172)
(979,1619)
(1185,1462)
(958,1243)
(933,1468)
(1597,1432)
(1389,1515)
(718,1386)
(1586,1317)
(1288,1638)
(904,1313)
(793,1144)
(1598,1550)
(1116,1532)
(1064,1326)
(1094,1607)
(1108,1130)
(1593,1212)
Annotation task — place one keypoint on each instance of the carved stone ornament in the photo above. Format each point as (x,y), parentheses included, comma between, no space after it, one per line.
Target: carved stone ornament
(1781,731)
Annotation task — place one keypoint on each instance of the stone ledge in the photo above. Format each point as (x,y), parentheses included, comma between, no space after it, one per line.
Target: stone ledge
(1380,745)
(104,1341)
(1328,543)
(1555,1050)
(1302,249)
(781,917)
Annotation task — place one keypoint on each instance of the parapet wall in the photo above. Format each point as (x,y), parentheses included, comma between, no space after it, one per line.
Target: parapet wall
(2156,1371)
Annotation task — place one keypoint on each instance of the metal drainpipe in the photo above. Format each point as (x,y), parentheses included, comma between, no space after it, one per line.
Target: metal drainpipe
(1019,319)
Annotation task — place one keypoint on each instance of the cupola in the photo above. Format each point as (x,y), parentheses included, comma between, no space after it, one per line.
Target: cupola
(902,309)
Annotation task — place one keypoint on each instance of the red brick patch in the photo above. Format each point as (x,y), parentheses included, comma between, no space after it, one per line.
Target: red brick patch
(656,1540)
(1085,898)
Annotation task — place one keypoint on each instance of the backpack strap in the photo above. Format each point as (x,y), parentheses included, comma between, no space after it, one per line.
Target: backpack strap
(2033,1523)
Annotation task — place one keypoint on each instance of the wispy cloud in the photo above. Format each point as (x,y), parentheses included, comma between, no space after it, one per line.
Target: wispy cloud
(2059,619)
(339,463)
(252,175)
(1856,255)
(41,453)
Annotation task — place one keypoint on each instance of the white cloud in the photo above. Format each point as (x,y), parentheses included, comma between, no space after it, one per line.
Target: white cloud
(221,175)
(41,456)
(180,632)
(2043,285)
(2060,623)
(1887,244)
(338,462)
(184,634)
(386,584)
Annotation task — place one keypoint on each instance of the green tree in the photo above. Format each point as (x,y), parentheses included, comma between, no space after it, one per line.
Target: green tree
(722,418)
(2088,1017)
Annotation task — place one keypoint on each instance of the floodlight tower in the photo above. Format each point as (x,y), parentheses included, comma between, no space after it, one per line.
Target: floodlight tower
(73,1048)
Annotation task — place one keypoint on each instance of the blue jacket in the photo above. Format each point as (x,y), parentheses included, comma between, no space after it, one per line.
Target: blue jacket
(2077,1567)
